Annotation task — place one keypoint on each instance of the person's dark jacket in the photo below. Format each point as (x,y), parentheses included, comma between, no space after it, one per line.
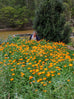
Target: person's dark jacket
(37,38)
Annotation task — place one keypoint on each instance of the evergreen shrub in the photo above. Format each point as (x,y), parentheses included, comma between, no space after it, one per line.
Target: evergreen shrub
(50,22)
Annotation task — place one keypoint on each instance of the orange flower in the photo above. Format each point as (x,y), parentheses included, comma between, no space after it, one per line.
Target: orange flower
(38,80)
(11,79)
(22,74)
(41,68)
(1,62)
(65,65)
(48,74)
(33,73)
(45,69)
(59,68)
(30,63)
(68,80)
(30,77)
(13,74)
(33,81)
(39,73)
(21,59)
(52,71)
(49,81)
(28,68)
(70,64)
(44,78)
(37,70)
(12,69)
(36,89)
(44,90)
(23,65)
(44,84)
(52,75)
(43,72)
(58,73)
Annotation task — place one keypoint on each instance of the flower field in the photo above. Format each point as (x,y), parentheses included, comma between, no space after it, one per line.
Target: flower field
(36,70)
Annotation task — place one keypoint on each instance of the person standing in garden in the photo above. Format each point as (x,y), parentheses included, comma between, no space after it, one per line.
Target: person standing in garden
(34,36)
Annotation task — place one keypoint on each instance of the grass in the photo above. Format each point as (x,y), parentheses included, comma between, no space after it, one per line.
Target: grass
(36,70)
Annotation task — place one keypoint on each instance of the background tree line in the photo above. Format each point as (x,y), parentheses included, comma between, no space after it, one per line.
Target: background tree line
(18,13)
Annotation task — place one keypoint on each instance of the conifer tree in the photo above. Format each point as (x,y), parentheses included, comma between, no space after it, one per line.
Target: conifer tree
(50,21)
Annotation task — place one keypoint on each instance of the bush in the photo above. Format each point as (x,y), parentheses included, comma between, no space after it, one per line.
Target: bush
(50,21)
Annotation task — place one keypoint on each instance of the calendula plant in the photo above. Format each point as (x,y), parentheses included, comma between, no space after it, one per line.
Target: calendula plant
(36,70)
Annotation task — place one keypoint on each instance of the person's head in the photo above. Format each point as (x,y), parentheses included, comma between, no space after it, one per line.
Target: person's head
(34,33)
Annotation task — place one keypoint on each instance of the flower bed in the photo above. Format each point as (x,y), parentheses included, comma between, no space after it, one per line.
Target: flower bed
(31,69)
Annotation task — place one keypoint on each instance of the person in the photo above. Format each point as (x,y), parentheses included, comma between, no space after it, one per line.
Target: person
(34,36)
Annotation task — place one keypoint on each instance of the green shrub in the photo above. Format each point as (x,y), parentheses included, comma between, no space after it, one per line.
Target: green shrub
(50,21)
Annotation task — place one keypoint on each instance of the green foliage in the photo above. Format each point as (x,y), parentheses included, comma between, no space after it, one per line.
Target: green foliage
(12,17)
(50,21)
(7,15)
(72,12)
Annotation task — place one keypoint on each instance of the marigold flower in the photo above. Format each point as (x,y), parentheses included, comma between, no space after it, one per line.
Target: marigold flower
(45,69)
(49,81)
(28,68)
(23,65)
(33,81)
(22,74)
(21,59)
(13,74)
(52,75)
(65,65)
(41,68)
(44,84)
(44,78)
(43,72)
(11,79)
(70,64)
(30,63)
(18,63)
(58,73)
(36,89)
(30,77)
(9,60)
(33,73)
(1,62)
(37,70)
(59,68)
(68,80)
(44,90)
(38,80)
(48,74)
(6,57)
(13,65)
(14,60)
(12,69)
(52,71)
